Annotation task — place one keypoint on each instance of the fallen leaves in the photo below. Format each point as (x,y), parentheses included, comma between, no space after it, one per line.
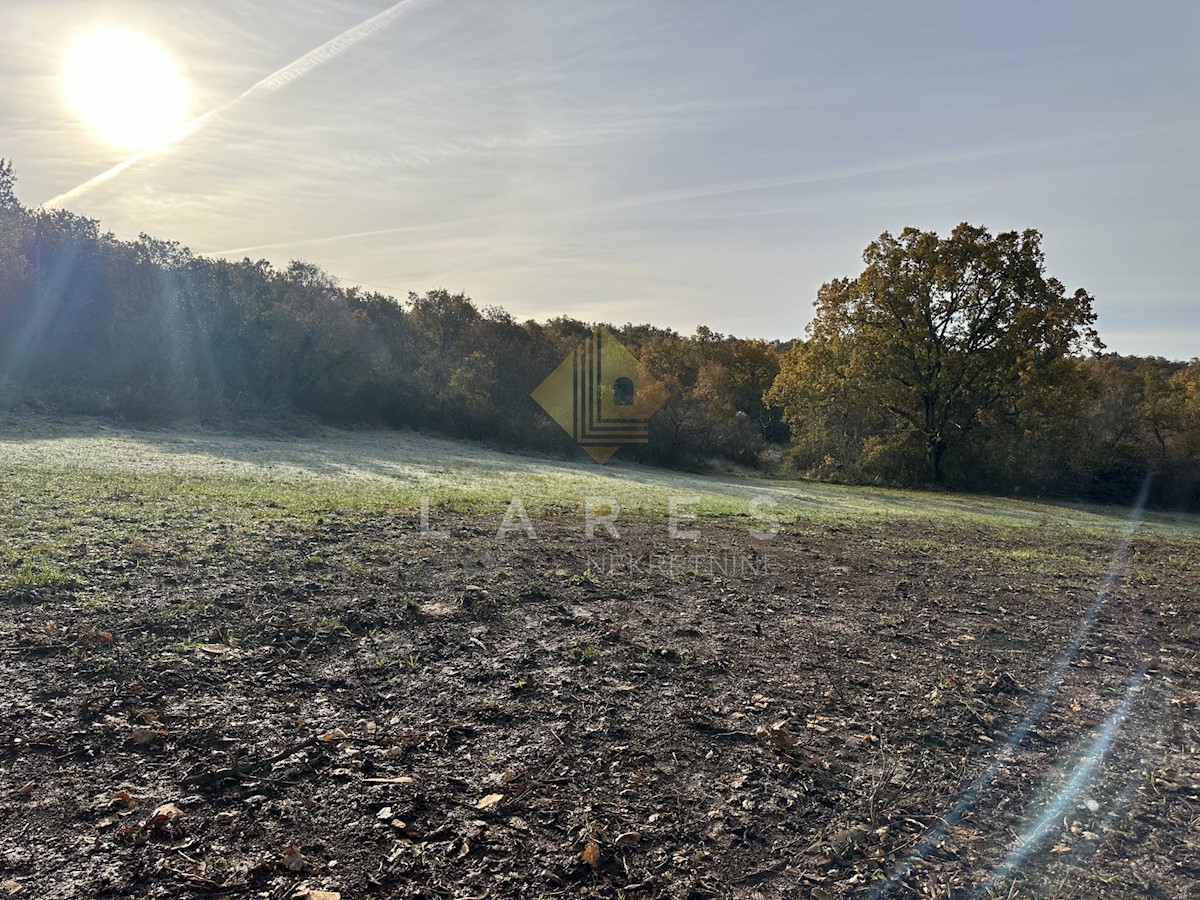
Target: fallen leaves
(165,818)
(146,737)
(121,804)
(848,839)
(94,637)
(586,764)
(776,736)
(293,859)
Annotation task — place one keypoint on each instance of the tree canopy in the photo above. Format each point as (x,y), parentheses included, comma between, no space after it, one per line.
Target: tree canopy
(935,336)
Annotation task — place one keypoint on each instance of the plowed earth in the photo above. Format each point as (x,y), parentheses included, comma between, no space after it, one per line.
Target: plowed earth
(892,709)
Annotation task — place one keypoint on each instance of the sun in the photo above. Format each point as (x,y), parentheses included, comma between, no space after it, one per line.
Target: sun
(126,88)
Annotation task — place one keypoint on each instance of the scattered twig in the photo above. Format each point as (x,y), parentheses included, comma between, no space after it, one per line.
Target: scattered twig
(244,769)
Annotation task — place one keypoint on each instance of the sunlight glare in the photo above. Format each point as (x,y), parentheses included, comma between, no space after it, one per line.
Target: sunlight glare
(126,88)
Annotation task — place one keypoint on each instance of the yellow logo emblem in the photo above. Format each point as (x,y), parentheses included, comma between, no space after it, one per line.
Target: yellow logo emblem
(602,396)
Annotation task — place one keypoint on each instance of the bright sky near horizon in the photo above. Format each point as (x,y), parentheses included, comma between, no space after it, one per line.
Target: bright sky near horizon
(665,161)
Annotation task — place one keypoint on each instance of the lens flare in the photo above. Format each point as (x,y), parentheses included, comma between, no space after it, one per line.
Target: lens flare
(125,88)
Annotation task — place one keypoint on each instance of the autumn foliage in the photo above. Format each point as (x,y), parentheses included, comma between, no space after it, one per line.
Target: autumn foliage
(954,361)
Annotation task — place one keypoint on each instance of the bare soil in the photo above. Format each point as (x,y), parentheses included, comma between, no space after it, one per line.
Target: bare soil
(350,707)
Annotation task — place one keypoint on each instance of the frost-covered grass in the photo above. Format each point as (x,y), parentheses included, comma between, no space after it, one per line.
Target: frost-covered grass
(397,471)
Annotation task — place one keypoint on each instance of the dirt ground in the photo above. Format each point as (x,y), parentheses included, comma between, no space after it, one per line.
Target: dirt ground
(353,708)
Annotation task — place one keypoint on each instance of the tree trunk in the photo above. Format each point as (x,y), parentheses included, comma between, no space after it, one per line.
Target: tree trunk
(937,455)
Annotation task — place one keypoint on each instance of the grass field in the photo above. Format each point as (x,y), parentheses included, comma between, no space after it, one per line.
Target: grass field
(236,666)
(394,470)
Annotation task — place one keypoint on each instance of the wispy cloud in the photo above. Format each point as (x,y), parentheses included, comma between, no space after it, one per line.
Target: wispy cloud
(278,79)
(660,197)
(621,158)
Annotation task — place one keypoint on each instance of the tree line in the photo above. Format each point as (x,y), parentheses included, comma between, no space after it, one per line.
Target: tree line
(953,361)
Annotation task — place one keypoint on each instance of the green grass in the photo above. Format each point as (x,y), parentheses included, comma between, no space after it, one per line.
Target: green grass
(393,471)
(72,499)
(28,580)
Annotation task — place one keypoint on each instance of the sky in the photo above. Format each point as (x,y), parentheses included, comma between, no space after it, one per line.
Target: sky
(668,161)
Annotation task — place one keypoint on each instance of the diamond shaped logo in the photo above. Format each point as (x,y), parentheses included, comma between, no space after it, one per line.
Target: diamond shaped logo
(602,396)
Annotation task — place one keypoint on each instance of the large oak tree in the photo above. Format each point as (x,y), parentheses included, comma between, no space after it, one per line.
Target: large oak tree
(934,337)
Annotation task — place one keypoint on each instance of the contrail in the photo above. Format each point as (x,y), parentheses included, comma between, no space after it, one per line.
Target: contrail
(278,79)
(352,235)
(670,195)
